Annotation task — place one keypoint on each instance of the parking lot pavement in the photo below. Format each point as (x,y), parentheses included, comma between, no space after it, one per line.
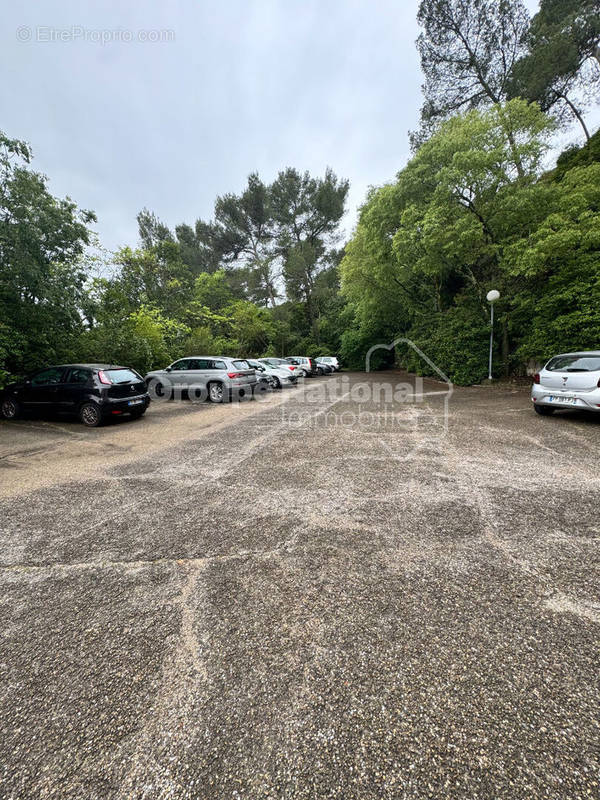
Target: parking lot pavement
(287,599)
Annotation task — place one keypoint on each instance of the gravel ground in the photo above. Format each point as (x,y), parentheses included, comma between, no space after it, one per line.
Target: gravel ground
(283,599)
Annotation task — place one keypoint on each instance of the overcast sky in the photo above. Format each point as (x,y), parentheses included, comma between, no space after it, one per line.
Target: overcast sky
(238,86)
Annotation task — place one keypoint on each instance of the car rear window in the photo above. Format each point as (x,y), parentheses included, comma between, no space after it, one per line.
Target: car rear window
(574,364)
(241,364)
(121,375)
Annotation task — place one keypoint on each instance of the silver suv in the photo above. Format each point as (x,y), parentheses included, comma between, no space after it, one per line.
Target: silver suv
(217,378)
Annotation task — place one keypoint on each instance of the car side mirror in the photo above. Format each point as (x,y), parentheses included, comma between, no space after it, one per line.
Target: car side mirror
(168,369)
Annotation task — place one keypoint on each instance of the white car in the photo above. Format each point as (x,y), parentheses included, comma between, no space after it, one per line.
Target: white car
(277,376)
(280,363)
(571,380)
(330,361)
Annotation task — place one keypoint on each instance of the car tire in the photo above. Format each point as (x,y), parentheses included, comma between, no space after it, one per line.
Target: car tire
(276,382)
(10,408)
(303,373)
(544,411)
(90,415)
(216,392)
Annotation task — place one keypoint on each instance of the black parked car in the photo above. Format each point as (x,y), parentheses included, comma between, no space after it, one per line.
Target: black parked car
(92,391)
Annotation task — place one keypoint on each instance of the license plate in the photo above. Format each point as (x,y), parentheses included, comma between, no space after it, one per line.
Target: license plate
(553,398)
(135,402)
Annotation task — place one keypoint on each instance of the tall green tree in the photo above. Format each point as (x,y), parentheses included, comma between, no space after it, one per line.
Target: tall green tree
(155,276)
(307,212)
(244,237)
(428,248)
(152,231)
(42,276)
(561,68)
(468,49)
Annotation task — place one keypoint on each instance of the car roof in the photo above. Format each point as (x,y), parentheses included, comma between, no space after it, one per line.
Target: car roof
(85,366)
(579,353)
(221,358)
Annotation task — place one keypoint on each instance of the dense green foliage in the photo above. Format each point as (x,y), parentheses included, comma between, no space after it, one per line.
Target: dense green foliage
(42,280)
(461,219)
(475,208)
(259,278)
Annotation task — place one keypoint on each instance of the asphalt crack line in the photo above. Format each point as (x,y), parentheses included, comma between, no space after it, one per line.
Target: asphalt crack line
(189,640)
(562,603)
(555,600)
(197,563)
(256,444)
(178,691)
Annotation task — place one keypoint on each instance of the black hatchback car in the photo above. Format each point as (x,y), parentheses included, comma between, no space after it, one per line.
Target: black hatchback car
(94,392)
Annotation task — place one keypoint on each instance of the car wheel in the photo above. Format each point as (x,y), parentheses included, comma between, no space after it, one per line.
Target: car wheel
(216,392)
(10,408)
(90,415)
(303,373)
(276,382)
(545,411)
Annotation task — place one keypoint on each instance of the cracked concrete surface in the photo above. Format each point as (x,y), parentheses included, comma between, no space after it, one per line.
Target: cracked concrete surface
(278,601)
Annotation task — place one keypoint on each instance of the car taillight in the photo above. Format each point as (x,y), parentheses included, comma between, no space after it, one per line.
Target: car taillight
(536,377)
(234,374)
(103,379)
(292,368)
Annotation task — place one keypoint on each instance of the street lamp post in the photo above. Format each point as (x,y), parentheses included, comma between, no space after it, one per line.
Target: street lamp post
(492,296)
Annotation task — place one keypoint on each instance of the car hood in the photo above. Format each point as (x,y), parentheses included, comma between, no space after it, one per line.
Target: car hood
(155,373)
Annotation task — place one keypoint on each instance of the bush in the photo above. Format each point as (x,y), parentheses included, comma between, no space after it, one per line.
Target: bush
(457,342)
(145,340)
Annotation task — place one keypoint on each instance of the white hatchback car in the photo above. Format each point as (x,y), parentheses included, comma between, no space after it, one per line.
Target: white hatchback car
(331,361)
(276,376)
(571,380)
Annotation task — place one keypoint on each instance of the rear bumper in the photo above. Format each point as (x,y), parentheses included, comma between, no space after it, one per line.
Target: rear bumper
(125,405)
(242,389)
(556,398)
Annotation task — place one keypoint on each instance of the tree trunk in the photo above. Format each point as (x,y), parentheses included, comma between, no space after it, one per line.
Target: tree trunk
(576,114)
(513,144)
(505,346)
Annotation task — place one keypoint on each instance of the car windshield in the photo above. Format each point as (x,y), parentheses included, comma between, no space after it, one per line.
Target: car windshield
(574,364)
(121,375)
